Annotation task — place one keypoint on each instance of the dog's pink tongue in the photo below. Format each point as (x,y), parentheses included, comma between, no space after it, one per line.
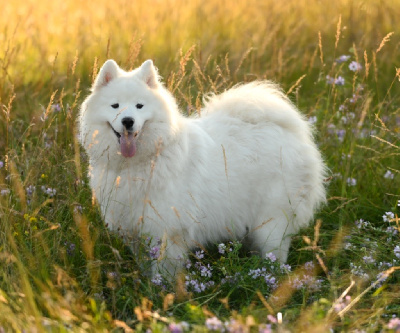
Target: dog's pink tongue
(128,144)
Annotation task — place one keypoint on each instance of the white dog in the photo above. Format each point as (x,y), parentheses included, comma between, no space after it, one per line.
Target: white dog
(247,167)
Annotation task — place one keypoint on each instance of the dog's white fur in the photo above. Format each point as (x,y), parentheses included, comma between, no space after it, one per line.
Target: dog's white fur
(248,166)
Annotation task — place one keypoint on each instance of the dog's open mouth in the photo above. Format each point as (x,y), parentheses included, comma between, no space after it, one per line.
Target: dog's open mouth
(118,135)
(127,142)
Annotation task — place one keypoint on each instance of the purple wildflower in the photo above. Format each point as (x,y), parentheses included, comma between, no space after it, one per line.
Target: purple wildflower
(78,209)
(56,108)
(382,277)
(355,66)
(392,230)
(309,265)
(297,283)
(197,286)
(331,128)
(178,327)
(312,120)
(270,256)
(264,328)
(353,99)
(221,248)
(351,181)
(358,271)
(154,252)
(368,260)
(1,164)
(231,279)
(270,281)
(235,326)
(340,134)
(30,189)
(397,251)
(286,268)
(112,275)
(339,81)
(361,224)
(70,248)
(384,265)
(329,79)
(199,254)
(206,271)
(157,279)
(175,328)
(306,281)
(342,303)
(342,58)
(255,273)
(5,192)
(214,324)
(51,192)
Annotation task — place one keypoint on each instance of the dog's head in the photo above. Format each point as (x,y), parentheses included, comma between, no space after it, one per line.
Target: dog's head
(127,112)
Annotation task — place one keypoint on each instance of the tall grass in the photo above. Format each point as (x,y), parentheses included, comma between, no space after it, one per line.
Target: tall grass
(61,270)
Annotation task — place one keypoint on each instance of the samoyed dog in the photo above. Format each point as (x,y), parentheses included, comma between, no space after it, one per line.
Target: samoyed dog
(246,168)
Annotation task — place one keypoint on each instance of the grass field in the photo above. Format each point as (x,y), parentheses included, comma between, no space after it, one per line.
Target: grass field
(339,62)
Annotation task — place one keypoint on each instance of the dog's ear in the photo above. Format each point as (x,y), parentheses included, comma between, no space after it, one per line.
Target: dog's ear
(148,74)
(108,72)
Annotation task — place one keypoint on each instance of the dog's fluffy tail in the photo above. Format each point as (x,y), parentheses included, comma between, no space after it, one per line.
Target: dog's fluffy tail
(257,102)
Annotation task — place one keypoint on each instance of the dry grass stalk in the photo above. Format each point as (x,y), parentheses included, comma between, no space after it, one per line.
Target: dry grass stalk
(49,105)
(375,66)
(17,184)
(384,41)
(367,64)
(296,84)
(384,276)
(321,53)
(95,69)
(338,30)
(74,62)
(242,59)
(134,49)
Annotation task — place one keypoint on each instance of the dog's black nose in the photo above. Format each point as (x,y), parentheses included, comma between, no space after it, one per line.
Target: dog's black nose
(128,123)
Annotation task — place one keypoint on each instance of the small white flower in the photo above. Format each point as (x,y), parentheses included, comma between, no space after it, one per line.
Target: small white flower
(397,251)
(387,216)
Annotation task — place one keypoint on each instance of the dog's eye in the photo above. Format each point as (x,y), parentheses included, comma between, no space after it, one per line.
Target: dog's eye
(115,106)
(139,106)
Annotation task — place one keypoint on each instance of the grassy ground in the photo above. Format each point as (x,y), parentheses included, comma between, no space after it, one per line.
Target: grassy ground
(60,268)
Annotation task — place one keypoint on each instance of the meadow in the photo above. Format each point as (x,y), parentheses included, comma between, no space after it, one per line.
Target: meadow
(338,61)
